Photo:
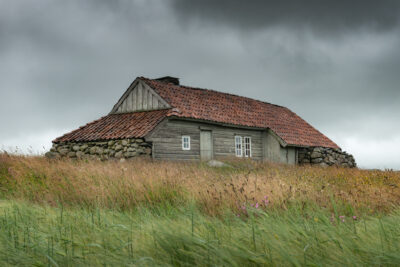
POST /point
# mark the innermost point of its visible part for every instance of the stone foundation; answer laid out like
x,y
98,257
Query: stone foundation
x,y
325,157
103,150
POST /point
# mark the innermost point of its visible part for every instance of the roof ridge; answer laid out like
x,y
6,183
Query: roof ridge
x,y
212,90
287,124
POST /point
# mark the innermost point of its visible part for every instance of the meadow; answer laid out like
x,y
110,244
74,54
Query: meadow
x,y
145,213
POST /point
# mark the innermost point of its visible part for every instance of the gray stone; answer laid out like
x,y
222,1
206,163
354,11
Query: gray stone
x,y
111,143
216,163
318,149
52,155
63,151
79,154
93,150
317,160
72,154
315,154
119,154
83,147
124,143
328,156
76,148
130,154
118,147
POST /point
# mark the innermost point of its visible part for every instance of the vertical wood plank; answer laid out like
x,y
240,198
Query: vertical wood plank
x,y
150,101
155,103
124,106
135,96
134,99
129,102
145,94
140,97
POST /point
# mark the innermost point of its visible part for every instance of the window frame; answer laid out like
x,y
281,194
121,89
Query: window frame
x,y
245,150
238,143
183,142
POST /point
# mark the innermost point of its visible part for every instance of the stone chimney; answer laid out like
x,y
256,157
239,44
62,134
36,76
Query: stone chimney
x,y
169,79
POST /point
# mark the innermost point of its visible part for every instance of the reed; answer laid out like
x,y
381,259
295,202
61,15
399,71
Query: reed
x,y
146,213
141,182
50,236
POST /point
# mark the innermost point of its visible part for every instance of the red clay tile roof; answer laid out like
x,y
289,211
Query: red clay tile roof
x,y
220,107
203,104
116,126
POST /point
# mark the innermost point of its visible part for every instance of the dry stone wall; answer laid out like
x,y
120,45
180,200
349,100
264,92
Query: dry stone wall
x,y
325,157
103,150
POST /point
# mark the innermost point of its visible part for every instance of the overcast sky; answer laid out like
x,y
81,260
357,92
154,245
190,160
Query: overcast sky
x,y
335,63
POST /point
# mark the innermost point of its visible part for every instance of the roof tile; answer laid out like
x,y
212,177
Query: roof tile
x,y
221,107
203,104
116,126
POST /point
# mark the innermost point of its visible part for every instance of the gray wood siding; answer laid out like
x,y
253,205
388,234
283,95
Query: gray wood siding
x,y
167,140
140,97
272,147
275,152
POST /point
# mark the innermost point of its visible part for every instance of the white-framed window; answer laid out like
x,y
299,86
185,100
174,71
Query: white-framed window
x,y
238,146
247,146
185,142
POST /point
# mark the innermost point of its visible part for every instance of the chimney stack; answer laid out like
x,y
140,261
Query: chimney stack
x,y
169,79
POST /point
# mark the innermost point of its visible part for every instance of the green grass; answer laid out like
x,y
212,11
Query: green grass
x,y
41,235
153,213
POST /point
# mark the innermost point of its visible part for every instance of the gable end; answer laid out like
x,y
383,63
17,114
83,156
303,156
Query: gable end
x,y
139,97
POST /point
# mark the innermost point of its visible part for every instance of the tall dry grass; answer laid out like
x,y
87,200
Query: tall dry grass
x,y
143,182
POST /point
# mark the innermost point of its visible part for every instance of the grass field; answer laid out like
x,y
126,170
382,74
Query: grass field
x,y
143,213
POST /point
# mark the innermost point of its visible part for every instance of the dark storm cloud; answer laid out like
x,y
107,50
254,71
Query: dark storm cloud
x,y
320,15
335,63
341,53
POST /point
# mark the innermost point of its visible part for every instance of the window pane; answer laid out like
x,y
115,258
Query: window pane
x,y
186,142
247,147
238,146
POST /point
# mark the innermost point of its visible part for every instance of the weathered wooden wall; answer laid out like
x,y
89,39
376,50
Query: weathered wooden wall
x,y
167,140
140,97
275,152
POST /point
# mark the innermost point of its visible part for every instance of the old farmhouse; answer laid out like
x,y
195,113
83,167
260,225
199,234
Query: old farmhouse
x,y
165,120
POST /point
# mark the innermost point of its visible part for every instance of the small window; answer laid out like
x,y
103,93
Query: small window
x,y
185,142
238,146
247,146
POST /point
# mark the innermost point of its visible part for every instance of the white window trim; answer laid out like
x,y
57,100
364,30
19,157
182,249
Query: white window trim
x,y
236,146
244,142
183,142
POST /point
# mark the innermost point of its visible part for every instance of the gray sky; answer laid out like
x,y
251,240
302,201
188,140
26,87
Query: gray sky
x,y
335,63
